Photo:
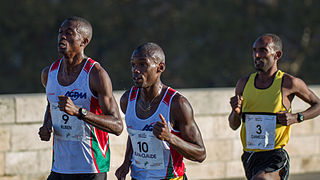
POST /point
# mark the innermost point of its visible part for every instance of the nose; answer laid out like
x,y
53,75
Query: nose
x,y
62,36
134,69
255,54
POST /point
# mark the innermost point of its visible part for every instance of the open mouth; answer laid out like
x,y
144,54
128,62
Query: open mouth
x,y
62,45
136,79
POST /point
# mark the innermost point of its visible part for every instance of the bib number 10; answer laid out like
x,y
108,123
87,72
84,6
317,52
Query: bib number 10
x,y
143,146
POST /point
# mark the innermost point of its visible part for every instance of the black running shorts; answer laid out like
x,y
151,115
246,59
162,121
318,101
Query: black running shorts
x,y
90,176
268,161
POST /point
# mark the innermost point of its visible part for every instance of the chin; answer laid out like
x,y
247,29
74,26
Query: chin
x,y
259,69
138,85
62,51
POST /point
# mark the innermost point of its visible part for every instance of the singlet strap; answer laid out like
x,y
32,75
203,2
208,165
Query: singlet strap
x,y
55,65
133,94
90,62
169,94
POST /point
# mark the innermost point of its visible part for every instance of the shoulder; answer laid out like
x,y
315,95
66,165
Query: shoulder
x,y
44,76
97,72
125,96
180,104
99,79
241,84
290,81
124,100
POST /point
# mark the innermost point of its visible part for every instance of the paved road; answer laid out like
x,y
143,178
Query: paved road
x,y
307,176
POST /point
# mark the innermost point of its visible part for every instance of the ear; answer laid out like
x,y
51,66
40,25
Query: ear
x,y
278,54
84,42
161,67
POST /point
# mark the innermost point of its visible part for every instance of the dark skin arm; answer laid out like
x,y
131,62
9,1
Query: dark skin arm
x,y
236,104
123,170
100,84
293,86
190,144
46,129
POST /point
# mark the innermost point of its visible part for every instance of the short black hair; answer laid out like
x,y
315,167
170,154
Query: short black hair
x,y
150,50
275,39
85,28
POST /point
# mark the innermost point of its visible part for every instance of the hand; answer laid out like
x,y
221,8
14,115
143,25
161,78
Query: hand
x,y
236,103
122,171
286,118
44,133
66,104
161,129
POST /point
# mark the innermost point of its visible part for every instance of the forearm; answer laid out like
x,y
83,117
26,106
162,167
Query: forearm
x,y
129,151
47,122
188,150
109,123
312,111
234,120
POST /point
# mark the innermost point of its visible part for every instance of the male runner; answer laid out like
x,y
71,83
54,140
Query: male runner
x,y
81,108
160,122
262,106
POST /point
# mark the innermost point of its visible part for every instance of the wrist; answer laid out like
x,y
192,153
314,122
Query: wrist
x,y
236,114
300,117
170,138
82,113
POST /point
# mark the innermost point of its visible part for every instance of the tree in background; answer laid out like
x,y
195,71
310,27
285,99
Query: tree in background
x,y
208,43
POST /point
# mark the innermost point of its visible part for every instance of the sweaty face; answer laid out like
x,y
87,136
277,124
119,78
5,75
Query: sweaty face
x,y
144,71
263,54
69,39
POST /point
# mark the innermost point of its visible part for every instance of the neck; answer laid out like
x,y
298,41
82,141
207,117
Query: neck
x,y
266,77
150,93
72,63
268,74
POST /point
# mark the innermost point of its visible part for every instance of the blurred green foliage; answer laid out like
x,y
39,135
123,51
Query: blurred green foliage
x,y
207,42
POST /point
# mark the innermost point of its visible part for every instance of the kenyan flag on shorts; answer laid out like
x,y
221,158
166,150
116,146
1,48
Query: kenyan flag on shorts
x,y
100,149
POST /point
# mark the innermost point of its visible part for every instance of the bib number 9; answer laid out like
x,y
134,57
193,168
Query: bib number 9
x,y
65,118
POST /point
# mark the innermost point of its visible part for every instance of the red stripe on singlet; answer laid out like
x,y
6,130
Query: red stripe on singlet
x,y
55,65
133,94
88,65
166,99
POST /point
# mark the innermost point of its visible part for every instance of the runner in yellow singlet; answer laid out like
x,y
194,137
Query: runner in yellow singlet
x,y
262,107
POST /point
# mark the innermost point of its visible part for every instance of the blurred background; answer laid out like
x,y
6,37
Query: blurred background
x,y
207,42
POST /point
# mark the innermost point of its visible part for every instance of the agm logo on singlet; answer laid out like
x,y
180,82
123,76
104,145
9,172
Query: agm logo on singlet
x,y
74,94
148,127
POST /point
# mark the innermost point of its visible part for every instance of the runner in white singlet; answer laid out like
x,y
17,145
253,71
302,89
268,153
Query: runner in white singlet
x,y
81,108
160,122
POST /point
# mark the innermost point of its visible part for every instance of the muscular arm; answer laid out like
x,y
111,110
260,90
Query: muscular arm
x,y
46,129
123,170
295,86
123,106
110,120
236,104
190,144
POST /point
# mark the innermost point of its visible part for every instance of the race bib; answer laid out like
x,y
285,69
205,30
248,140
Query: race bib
x,y
66,127
147,149
260,131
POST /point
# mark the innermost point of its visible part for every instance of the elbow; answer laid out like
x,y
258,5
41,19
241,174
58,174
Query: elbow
x,y
119,128
202,156
234,127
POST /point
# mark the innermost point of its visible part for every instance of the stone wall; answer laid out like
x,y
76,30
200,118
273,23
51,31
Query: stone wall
x,y
24,157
